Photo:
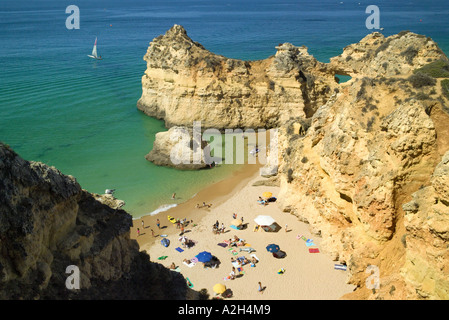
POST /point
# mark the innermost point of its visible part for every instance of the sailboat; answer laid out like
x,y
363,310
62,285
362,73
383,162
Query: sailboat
x,y
94,52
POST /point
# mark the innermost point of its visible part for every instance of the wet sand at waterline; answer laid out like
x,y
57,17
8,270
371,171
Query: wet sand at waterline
x,y
306,275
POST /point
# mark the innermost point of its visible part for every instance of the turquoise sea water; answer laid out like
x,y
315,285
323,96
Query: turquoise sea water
x,y
66,110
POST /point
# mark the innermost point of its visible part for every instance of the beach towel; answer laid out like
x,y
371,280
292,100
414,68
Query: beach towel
x,y
249,250
222,244
236,264
255,257
233,251
190,265
314,250
309,244
179,249
176,270
189,283
240,270
340,267
162,257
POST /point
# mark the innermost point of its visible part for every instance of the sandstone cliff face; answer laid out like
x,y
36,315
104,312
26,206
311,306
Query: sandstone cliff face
x,y
368,149
47,223
228,93
426,270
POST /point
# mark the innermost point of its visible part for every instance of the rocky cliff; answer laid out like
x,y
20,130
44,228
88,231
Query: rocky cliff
x,y
48,223
229,93
363,162
372,147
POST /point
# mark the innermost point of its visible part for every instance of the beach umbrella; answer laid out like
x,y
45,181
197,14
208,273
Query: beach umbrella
x,y
273,248
236,222
204,256
267,194
165,242
219,288
264,220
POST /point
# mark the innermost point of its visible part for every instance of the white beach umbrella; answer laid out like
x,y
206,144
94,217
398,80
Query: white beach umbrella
x,y
264,220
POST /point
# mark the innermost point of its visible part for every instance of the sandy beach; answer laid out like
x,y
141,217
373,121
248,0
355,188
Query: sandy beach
x,y
306,275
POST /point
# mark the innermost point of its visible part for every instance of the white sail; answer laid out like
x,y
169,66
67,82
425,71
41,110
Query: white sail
x,y
94,50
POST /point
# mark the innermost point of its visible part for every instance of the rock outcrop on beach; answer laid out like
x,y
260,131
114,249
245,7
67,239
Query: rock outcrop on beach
x,y
181,148
363,162
49,223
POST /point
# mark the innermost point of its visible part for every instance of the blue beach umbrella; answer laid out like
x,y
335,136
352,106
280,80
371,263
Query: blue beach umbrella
x,y
165,242
273,248
204,256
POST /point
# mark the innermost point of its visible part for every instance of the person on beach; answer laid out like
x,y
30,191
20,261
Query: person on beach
x,y
173,196
260,289
182,229
152,232
143,224
232,274
138,232
158,223
253,262
172,266
234,216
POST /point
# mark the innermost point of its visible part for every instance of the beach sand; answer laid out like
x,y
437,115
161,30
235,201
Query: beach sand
x,y
306,276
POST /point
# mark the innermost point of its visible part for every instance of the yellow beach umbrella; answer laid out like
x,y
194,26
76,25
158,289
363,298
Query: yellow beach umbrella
x,y
219,288
267,194
236,222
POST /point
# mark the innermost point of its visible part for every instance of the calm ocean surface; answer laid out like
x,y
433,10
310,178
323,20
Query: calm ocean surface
x,y
66,110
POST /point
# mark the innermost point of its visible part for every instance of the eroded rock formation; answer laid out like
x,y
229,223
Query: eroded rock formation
x,y
47,223
228,93
368,150
362,161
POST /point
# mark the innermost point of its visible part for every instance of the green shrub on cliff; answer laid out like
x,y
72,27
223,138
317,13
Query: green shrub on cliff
x,y
445,87
436,69
419,80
